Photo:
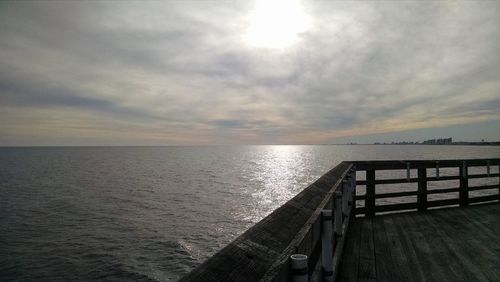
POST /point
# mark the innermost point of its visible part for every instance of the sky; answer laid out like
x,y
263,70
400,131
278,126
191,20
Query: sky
x,y
245,72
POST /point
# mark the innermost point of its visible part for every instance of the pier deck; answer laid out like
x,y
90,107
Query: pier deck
x,y
450,244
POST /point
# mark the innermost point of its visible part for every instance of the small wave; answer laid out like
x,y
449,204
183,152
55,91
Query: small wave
x,y
118,272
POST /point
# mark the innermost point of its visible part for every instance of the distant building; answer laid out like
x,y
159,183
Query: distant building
x,y
441,141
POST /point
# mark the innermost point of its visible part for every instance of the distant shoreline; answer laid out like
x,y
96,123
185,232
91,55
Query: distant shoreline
x,y
452,144
232,145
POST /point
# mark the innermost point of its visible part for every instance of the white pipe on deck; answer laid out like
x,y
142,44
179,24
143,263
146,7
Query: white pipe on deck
x,y
299,268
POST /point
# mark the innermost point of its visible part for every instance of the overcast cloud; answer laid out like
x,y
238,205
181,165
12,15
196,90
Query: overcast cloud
x,y
182,73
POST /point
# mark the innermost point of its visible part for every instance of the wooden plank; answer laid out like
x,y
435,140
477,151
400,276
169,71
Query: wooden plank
x,y
395,181
383,259
360,211
443,178
429,255
401,164
350,261
483,187
415,268
447,247
396,194
396,207
422,189
447,202
483,199
370,193
431,178
474,249
452,225
390,195
360,197
482,242
399,266
484,175
485,220
367,269
339,249
445,190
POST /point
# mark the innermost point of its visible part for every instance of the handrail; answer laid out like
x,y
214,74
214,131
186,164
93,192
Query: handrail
x,y
308,239
263,252
370,167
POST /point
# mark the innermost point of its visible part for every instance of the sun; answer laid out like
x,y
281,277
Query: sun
x,y
276,24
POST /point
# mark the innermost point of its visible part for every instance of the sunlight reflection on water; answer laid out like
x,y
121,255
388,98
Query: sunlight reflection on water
x,y
278,169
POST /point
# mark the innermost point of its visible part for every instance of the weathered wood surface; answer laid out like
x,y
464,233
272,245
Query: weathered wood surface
x,y
414,164
372,193
413,180
463,193
266,246
452,244
422,189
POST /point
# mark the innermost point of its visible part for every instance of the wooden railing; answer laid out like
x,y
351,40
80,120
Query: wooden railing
x,y
422,167
314,224
322,238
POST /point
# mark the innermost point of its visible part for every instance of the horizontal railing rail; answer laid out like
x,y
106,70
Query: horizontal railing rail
x,y
370,208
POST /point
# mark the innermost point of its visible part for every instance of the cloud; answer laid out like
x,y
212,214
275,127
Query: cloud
x,y
181,72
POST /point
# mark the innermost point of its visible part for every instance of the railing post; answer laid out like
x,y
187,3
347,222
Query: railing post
x,y
327,246
499,183
408,172
370,193
346,190
422,189
353,192
464,185
298,263
337,230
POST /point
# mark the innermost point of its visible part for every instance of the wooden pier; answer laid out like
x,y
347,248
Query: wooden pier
x,y
340,223
452,244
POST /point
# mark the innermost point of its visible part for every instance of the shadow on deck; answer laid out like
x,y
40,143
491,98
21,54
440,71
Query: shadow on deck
x,y
451,244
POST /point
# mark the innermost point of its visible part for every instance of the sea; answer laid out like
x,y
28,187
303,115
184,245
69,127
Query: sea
x,y
155,213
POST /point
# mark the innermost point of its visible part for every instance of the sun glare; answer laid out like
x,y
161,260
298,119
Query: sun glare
x,y
276,24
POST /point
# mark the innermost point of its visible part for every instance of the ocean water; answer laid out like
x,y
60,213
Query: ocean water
x,y
154,213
